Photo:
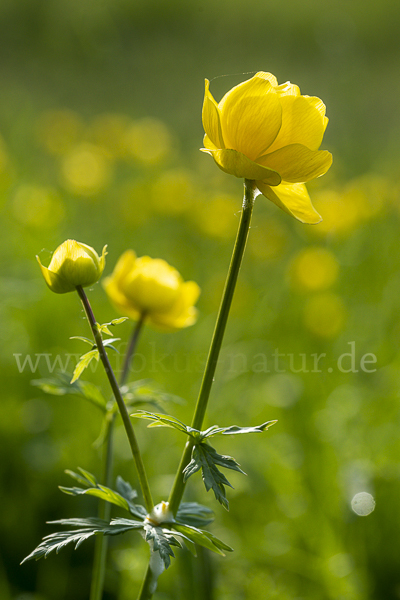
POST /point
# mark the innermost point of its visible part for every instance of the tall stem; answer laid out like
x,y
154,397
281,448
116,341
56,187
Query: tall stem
x,y
131,349
101,542
216,342
120,402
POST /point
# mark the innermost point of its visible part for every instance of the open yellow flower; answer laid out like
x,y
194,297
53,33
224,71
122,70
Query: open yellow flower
x,y
269,133
73,264
151,287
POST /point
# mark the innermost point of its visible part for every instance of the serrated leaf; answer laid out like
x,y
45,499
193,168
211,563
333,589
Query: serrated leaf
x,y
192,513
61,386
89,476
160,420
233,430
203,538
101,492
84,362
88,527
125,489
160,541
206,458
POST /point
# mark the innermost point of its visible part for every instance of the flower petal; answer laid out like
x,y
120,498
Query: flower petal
x,y
211,118
238,164
293,199
251,116
55,282
296,163
183,313
303,122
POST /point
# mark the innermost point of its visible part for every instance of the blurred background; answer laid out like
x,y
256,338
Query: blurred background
x,y
100,126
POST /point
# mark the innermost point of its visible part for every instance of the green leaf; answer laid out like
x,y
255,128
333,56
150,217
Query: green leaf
x,y
206,458
61,386
83,363
203,538
101,492
234,429
123,497
118,321
161,540
145,391
127,492
84,339
160,420
88,527
192,513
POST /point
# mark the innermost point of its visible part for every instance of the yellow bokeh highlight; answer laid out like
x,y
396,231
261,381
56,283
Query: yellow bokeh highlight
x,y
218,217
313,269
59,130
109,131
268,239
148,141
343,211
325,315
173,191
37,206
86,170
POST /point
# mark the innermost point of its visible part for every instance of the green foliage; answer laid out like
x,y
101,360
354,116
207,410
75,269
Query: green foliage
x,y
60,385
88,527
206,458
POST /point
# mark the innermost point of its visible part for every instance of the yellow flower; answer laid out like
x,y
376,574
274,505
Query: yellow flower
x,y
73,264
269,133
151,287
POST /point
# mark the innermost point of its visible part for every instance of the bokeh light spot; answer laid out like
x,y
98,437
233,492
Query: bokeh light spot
x,y
37,206
325,315
86,170
148,141
363,504
314,269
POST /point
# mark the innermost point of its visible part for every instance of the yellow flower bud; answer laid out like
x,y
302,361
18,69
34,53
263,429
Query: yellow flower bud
x,y
151,287
73,264
269,133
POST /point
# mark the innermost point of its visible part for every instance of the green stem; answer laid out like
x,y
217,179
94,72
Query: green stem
x,y
216,342
131,349
148,586
120,402
101,542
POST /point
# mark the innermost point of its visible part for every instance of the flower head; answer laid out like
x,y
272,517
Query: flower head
x,y
269,133
73,264
151,287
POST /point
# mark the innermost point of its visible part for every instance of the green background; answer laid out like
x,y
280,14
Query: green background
x,y
100,124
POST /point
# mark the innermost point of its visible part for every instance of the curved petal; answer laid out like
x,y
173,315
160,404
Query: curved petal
x,y
288,89
211,118
296,163
124,266
251,116
293,199
237,164
208,145
54,281
303,122
183,313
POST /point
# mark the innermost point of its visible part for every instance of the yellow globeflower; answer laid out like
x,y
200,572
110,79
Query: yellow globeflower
x,y
151,287
269,133
73,264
